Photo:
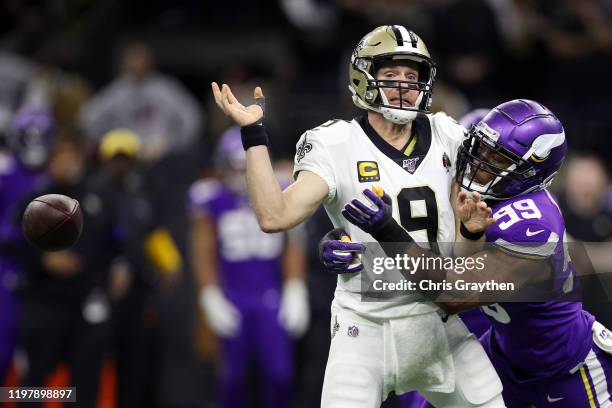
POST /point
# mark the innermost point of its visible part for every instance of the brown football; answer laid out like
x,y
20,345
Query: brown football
x,y
52,222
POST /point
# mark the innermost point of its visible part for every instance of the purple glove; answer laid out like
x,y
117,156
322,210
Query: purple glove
x,y
366,218
338,256
378,222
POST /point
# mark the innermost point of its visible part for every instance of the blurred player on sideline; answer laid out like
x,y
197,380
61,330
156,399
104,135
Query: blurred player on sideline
x,y
252,285
378,347
30,139
148,258
65,311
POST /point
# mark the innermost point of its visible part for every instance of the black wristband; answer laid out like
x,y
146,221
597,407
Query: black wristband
x,y
253,135
474,236
391,231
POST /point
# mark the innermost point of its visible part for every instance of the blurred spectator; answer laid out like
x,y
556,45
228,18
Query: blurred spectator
x,y
587,209
468,48
511,19
24,83
147,249
156,107
65,313
411,13
15,73
449,100
240,270
31,137
586,200
573,29
310,15
572,39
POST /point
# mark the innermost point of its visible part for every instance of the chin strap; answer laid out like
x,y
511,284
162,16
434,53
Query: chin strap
x,y
397,115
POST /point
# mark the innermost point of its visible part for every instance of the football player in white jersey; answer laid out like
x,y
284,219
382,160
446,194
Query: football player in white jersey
x,y
378,346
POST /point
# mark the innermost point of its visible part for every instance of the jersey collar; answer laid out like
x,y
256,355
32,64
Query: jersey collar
x,y
420,127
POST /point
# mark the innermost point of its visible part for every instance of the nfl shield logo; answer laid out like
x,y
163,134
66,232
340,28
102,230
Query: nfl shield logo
x,y
336,327
353,331
410,164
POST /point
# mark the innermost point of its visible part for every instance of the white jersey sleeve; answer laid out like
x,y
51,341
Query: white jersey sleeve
x,y
312,155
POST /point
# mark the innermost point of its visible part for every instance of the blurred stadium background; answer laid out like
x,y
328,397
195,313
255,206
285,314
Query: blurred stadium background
x,y
146,66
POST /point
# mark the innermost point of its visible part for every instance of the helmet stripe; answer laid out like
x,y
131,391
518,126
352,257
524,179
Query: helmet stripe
x,y
408,34
398,36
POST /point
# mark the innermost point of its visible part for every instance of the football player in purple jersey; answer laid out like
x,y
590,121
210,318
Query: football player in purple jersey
x,y
252,290
548,352
30,139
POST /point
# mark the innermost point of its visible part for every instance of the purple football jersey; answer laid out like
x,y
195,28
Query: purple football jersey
x,y
16,183
249,259
539,339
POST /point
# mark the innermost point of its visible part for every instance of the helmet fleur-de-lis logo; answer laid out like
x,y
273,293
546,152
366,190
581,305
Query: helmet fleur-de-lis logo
x,y
302,149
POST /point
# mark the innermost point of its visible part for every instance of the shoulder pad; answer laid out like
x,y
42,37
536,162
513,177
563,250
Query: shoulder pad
x,y
445,126
7,163
332,130
203,191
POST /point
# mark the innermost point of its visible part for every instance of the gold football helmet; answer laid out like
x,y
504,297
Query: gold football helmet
x,y
392,42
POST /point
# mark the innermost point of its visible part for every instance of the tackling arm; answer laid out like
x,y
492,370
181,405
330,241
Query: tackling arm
x,y
493,262
498,265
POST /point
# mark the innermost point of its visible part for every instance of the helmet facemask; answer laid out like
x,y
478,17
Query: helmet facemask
x,y
374,97
480,157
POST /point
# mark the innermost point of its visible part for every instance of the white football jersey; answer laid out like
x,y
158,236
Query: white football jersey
x,y
351,157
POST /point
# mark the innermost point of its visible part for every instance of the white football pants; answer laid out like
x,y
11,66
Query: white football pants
x,y
361,370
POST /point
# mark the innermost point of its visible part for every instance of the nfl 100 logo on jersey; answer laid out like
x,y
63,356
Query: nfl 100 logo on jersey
x,y
410,165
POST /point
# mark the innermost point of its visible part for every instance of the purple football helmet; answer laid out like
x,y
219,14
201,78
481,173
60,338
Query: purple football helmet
x,y
32,136
230,153
516,148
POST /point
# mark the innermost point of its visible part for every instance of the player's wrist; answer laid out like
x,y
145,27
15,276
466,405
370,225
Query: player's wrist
x,y
295,287
390,231
254,135
467,234
210,295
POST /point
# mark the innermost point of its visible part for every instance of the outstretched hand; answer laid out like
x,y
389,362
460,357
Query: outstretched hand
x,y
241,115
474,213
